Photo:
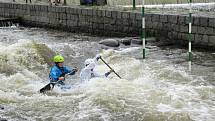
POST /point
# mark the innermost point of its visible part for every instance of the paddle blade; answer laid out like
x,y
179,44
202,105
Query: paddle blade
x,y
48,87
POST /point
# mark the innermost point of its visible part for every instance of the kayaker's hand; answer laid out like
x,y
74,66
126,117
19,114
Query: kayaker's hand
x,y
61,78
108,73
76,69
98,57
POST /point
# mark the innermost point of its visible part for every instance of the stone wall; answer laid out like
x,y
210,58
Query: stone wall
x,y
104,22
175,28
114,23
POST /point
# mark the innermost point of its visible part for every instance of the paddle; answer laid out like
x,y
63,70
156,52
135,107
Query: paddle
x,y
48,87
51,85
110,67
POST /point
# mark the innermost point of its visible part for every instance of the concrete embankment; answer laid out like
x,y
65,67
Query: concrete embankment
x,y
8,21
115,23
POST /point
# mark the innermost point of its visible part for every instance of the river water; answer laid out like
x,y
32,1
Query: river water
x,y
159,88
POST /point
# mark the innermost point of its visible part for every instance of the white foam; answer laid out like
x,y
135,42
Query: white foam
x,y
164,108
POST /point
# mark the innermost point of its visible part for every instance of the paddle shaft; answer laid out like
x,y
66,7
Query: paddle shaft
x,y
110,67
48,86
59,80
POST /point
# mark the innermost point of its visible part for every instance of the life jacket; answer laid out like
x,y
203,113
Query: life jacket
x,y
62,71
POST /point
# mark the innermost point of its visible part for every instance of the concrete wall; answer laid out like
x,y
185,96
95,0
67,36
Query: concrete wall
x,y
114,23
175,27
75,19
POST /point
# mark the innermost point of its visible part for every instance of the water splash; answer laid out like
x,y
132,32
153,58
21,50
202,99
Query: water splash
x,y
159,88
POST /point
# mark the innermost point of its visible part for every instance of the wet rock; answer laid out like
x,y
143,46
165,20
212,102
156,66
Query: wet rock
x,y
1,107
137,41
163,42
151,39
126,41
110,42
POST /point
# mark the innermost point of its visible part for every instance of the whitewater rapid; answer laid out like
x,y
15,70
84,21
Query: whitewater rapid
x,y
159,88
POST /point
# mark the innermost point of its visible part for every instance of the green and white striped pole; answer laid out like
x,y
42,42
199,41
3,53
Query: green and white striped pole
x,y
134,4
143,30
190,26
65,2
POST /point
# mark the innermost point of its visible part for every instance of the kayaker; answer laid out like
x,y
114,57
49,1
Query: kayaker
x,y
58,71
89,71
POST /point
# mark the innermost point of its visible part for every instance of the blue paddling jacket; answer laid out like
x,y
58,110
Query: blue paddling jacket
x,y
57,72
